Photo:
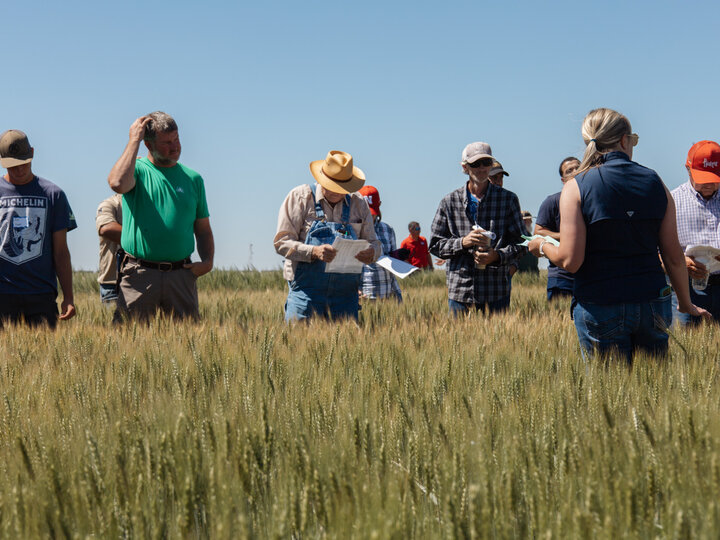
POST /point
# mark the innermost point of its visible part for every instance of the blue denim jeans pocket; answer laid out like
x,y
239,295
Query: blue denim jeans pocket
x,y
662,309
603,321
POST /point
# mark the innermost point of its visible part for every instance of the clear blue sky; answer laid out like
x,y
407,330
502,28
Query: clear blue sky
x,y
261,89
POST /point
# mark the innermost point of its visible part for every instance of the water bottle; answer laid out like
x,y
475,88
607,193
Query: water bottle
x,y
488,234
700,284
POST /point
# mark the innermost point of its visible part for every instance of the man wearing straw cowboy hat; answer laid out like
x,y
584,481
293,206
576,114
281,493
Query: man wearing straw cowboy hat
x,y
310,219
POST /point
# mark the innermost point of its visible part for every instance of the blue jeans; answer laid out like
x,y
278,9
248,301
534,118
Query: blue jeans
x,y
557,292
624,328
496,306
708,299
333,296
108,293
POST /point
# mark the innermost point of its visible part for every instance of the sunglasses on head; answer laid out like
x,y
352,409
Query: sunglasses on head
x,y
483,162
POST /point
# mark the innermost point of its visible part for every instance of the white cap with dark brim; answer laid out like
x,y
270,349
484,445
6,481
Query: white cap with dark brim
x,y
476,150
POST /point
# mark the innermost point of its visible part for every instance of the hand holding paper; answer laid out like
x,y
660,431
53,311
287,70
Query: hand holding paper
x,y
706,256
345,261
527,239
366,256
324,252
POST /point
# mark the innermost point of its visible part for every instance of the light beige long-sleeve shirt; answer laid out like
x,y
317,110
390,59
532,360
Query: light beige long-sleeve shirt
x,y
297,214
109,211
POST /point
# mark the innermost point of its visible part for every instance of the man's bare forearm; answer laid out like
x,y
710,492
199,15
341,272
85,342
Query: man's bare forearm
x,y
122,176
63,266
111,231
64,274
543,231
206,246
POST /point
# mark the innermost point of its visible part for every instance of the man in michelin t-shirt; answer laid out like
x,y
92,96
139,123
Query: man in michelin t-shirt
x,y
35,217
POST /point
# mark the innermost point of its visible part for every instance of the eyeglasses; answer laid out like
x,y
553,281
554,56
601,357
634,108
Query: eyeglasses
x,y
633,138
484,162
416,228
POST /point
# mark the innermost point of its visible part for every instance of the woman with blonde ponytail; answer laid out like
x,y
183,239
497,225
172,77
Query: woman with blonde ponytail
x,y
614,217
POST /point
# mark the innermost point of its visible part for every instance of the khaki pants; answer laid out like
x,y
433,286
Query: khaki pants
x,y
143,291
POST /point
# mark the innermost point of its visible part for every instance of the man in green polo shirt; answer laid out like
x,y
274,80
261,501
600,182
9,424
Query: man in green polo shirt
x,y
164,212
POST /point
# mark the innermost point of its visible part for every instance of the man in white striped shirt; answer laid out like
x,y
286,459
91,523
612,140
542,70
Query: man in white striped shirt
x,y
697,208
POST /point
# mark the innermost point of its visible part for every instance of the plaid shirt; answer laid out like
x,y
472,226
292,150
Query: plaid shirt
x,y
378,282
499,212
698,220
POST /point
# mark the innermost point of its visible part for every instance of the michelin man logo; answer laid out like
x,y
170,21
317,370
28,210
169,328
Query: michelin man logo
x,y
22,228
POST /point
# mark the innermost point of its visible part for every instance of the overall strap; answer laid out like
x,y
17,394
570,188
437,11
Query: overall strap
x,y
318,208
346,210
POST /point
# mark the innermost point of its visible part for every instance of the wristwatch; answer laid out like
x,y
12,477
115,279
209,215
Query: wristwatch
x,y
540,249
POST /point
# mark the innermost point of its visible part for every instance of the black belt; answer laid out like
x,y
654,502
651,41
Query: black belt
x,y
162,266
714,279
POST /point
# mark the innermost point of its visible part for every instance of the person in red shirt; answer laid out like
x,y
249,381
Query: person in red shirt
x,y
418,248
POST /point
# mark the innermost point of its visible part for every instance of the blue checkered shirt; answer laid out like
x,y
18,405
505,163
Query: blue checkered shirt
x,y
376,281
698,220
499,212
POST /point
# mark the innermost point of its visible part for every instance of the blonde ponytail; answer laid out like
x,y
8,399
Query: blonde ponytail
x,y
602,131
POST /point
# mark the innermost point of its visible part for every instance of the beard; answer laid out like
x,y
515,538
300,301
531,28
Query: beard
x,y
161,160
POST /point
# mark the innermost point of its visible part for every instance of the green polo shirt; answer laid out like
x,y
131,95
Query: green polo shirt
x,y
159,213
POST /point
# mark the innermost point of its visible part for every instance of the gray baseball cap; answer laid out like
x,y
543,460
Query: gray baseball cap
x,y
475,151
15,149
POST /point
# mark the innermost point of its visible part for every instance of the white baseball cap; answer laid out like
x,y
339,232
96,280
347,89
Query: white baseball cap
x,y
475,151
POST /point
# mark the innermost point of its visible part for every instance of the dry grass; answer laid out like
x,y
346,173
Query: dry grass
x,y
410,425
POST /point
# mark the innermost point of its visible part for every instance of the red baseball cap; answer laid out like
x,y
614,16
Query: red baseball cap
x,y
372,196
704,162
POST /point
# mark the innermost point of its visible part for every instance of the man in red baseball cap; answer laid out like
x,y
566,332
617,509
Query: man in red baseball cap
x,y
697,207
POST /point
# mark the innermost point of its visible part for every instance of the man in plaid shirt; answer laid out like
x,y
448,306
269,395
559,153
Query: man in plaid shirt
x,y
378,282
697,209
477,228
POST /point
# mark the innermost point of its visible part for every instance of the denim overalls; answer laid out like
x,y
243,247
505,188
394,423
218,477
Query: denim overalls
x,y
314,291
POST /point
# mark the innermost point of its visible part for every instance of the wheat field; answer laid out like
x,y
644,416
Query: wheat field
x,y
409,425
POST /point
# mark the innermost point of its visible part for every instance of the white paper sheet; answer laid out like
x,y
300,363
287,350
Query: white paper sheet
x,y
395,266
550,239
345,261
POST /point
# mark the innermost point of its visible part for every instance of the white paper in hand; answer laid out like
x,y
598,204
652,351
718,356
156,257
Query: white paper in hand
x,y
549,239
345,261
705,255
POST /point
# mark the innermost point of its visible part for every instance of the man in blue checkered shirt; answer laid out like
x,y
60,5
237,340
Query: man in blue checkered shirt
x,y
697,209
477,228
376,281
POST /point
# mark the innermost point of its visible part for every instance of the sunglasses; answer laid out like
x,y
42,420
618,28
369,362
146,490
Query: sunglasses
x,y
484,162
634,138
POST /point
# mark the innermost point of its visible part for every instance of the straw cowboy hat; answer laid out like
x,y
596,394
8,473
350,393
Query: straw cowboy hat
x,y
336,173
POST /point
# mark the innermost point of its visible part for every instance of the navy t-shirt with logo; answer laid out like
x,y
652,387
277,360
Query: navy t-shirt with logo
x,y
29,215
